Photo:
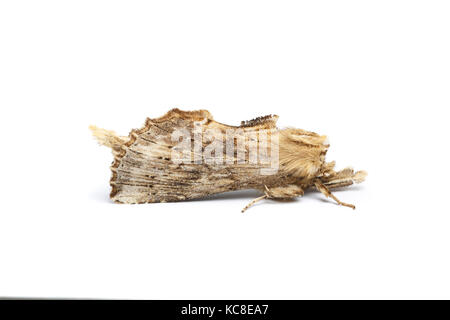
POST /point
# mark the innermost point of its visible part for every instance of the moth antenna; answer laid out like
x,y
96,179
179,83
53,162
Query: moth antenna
x,y
322,188
360,176
253,202
343,178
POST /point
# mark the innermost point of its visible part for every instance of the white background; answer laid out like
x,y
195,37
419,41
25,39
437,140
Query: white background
x,y
372,75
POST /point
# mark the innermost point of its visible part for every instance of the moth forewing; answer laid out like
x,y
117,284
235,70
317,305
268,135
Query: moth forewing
x,y
182,148
213,152
235,146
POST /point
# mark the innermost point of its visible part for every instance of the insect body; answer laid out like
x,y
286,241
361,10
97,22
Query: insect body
x,y
187,155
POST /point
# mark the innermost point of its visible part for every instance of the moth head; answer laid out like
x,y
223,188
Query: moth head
x,y
302,153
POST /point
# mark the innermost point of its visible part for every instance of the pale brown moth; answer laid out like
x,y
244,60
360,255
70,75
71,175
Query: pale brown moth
x,y
187,155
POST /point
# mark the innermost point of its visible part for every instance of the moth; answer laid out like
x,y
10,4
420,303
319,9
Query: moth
x,y
187,155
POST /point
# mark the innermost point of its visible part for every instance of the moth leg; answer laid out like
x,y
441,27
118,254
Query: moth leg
x,y
253,202
284,192
322,188
278,193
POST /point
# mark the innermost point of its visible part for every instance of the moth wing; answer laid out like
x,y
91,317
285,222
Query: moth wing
x,y
152,167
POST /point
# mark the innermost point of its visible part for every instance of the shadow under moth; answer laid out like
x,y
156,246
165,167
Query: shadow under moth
x,y
187,155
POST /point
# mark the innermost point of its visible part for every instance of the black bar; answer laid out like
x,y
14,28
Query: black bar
x,y
219,309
